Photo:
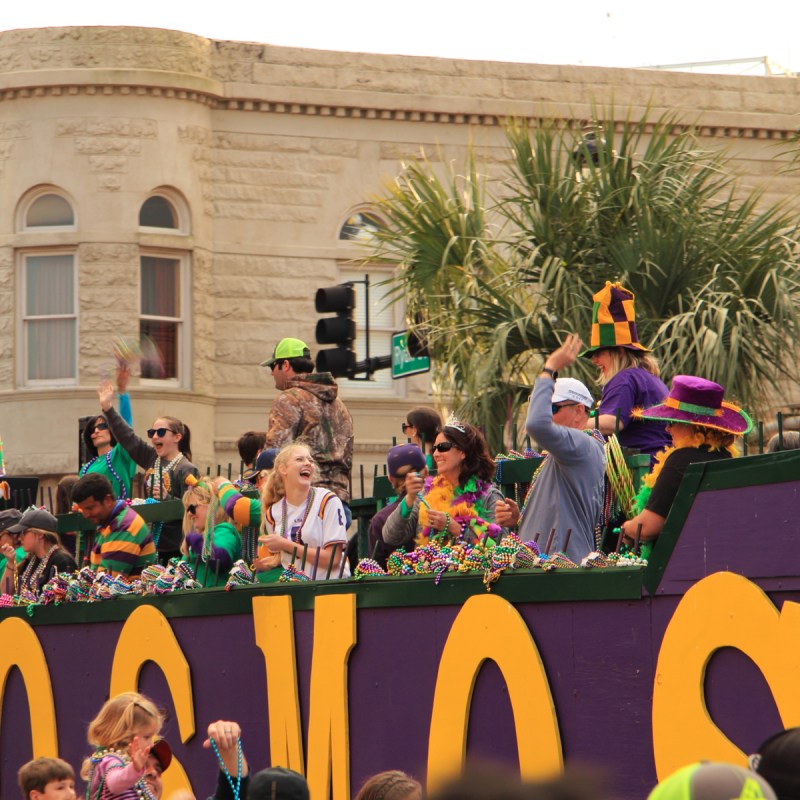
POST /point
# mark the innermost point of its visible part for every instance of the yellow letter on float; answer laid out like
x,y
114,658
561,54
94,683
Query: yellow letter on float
x,y
274,624
147,636
722,610
489,627
20,647
328,717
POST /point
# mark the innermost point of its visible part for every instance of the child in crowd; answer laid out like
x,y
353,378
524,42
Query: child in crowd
x,y
211,544
122,735
47,779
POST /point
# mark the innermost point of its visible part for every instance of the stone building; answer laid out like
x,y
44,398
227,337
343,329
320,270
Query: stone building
x,y
200,191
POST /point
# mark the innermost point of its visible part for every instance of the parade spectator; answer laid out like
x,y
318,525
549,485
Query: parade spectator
x,y
166,460
390,785
421,426
45,556
70,539
263,465
703,427
273,783
628,373
401,459
211,544
122,735
712,780
778,762
309,409
106,456
123,545
459,503
249,445
566,494
158,760
9,547
788,440
293,511
47,779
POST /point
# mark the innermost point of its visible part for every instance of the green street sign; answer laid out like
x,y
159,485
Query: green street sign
x,y
403,363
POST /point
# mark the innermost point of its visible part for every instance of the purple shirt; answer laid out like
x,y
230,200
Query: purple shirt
x,y
636,388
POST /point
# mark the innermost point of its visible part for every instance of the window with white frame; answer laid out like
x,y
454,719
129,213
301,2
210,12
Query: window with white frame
x,y
49,317
384,320
164,304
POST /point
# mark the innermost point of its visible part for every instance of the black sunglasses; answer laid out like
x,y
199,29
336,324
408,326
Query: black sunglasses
x,y
191,509
160,432
556,408
442,447
101,426
405,426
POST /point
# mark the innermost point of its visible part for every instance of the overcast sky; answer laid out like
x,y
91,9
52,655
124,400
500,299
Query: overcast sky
x,y
619,33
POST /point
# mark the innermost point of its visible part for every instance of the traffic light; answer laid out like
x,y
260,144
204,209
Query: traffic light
x,y
340,330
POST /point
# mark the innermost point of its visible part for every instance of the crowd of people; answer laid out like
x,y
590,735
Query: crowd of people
x,y
128,756
443,475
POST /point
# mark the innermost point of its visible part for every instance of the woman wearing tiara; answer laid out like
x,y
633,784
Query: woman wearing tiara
x,y
458,503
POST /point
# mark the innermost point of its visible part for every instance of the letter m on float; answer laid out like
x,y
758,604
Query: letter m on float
x,y
328,724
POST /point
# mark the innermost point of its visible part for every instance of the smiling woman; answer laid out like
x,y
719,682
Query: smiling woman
x,y
106,456
297,517
166,460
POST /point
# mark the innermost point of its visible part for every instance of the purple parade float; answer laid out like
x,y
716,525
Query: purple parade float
x,y
636,669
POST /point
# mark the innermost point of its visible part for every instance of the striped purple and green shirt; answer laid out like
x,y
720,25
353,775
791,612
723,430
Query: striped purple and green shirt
x,y
242,510
123,545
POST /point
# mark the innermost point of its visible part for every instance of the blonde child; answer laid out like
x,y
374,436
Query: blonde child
x,y
122,735
47,779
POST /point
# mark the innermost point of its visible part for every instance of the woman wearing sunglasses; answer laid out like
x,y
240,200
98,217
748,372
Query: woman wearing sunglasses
x,y
458,503
166,459
421,426
211,544
106,456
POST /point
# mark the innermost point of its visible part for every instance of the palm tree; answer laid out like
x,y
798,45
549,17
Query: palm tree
x,y
495,271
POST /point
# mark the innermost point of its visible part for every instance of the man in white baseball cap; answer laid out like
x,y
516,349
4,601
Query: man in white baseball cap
x,y
567,496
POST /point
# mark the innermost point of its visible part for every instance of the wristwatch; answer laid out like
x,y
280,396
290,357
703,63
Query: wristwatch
x,y
551,372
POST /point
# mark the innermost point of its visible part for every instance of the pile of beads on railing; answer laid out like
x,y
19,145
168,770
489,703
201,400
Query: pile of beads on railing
x,y
88,586
511,553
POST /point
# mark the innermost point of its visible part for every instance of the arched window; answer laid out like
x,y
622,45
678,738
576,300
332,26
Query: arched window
x,y
158,212
361,227
164,280
48,290
45,207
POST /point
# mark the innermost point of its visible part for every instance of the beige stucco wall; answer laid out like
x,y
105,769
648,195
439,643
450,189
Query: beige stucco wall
x,y
271,148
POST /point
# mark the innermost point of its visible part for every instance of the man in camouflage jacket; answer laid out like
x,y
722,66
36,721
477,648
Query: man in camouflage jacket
x,y
309,408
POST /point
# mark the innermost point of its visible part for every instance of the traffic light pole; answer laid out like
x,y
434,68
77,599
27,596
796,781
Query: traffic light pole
x,y
368,365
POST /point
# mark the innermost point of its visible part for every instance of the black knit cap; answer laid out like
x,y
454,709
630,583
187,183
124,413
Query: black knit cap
x,y
778,762
278,783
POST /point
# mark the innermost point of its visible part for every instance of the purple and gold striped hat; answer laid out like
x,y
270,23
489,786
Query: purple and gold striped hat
x,y
613,320
697,401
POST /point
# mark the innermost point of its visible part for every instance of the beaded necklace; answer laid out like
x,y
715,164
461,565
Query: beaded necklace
x,y
234,789
298,535
158,477
85,468
31,582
